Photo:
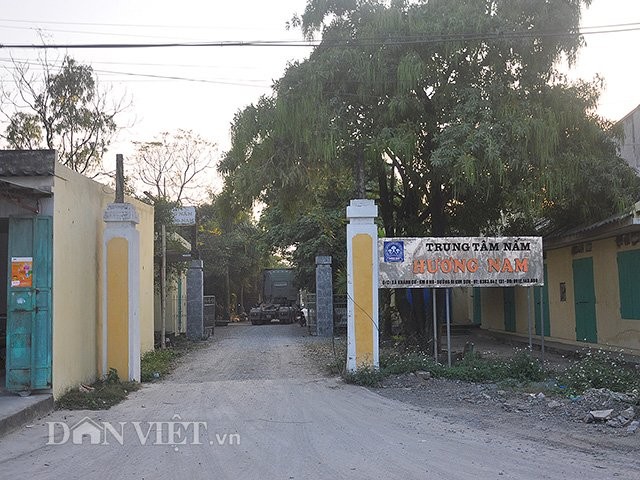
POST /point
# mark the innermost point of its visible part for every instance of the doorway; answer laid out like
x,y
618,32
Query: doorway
x,y
585,298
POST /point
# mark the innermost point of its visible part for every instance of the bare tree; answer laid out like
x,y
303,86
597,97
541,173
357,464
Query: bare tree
x,y
173,164
59,106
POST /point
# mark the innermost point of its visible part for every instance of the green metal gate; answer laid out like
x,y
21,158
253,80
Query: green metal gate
x,y
477,306
29,331
509,294
585,298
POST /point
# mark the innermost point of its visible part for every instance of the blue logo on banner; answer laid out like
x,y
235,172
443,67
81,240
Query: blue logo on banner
x,y
393,252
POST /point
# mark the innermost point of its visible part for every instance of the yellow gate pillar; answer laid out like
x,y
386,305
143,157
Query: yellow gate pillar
x,y
121,292
362,285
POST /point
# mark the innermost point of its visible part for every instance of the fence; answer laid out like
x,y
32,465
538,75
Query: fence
x,y
339,312
209,314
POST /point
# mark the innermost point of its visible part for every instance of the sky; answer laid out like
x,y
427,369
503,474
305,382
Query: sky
x,y
211,84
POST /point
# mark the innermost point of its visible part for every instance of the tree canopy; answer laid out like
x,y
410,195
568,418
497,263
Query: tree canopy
x,y
61,109
173,164
452,114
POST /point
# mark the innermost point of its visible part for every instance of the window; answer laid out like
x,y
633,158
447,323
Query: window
x,y
629,277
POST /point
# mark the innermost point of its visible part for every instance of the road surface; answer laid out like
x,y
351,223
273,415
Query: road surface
x,y
263,410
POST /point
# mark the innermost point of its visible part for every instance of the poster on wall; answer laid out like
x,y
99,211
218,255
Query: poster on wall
x,y
21,272
460,262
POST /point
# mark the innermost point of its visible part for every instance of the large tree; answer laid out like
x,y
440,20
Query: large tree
x,y
60,108
452,114
174,165
230,245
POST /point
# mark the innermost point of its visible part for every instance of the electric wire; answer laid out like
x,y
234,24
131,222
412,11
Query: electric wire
x,y
371,42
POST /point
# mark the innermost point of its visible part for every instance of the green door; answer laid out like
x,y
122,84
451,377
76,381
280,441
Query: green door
x,y
477,306
545,309
29,304
509,294
585,298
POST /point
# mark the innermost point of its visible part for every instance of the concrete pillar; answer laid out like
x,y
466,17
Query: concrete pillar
x,y
121,292
362,285
195,301
324,297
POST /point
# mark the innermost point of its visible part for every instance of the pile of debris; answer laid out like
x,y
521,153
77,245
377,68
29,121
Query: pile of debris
x,y
609,408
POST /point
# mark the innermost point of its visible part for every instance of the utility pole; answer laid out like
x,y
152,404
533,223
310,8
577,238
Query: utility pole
x,y
163,288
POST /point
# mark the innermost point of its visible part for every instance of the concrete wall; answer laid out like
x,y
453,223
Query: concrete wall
x,y
461,306
79,204
176,317
613,331
145,227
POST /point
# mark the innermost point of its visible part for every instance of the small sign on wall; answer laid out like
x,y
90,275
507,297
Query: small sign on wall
x,y
21,272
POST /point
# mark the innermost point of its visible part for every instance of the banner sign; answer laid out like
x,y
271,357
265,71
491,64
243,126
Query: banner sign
x,y
460,262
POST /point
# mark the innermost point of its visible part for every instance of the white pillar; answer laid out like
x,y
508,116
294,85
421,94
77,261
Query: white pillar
x,y
362,285
121,220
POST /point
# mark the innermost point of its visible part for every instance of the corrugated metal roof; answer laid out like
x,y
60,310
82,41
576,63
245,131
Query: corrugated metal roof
x,y
12,189
27,163
613,225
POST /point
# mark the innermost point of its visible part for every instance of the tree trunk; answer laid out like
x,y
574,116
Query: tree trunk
x,y
227,295
387,320
360,173
386,202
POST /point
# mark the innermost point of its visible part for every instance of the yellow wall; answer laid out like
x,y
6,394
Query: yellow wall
x,y
79,204
363,297
118,306
613,331
77,227
461,305
145,227
492,308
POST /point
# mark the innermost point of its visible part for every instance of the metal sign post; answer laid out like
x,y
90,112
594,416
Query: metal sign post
x,y
467,262
435,324
448,300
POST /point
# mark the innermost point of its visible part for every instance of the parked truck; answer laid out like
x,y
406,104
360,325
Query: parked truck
x,y
279,298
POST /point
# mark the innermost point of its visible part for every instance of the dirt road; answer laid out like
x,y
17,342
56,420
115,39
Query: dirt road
x,y
270,413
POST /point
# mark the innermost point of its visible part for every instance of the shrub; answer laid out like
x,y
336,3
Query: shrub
x,y
395,364
365,376
156,363
599,369
524,368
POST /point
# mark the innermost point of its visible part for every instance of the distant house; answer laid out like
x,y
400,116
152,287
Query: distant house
x,y
591,295
630,144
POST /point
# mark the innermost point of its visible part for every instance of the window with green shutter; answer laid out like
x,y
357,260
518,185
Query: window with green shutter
x,y
629,278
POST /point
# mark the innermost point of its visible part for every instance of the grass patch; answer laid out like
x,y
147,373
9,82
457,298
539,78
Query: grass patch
x,y
110,391
157,363
101,395
600,369
595,369
521,369
365,376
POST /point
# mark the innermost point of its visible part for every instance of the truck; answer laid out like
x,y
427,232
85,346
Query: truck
x,y
279,298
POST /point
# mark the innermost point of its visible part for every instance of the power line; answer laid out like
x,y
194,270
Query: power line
x,y
372,42
237,83
145,64
137,25
107,34
212,27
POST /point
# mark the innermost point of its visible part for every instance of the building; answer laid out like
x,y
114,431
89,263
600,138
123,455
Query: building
x,y
52,248
630,144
